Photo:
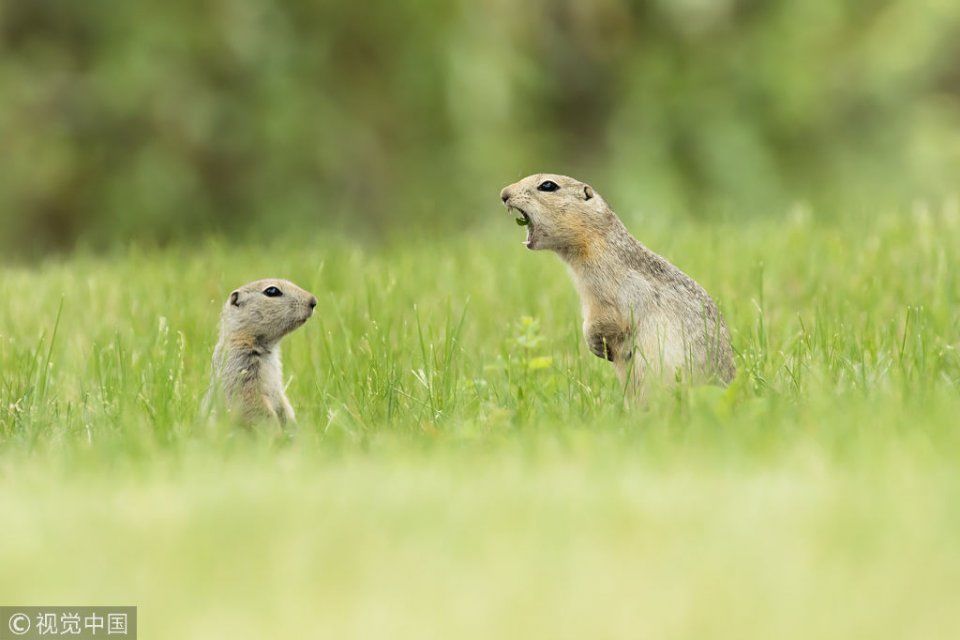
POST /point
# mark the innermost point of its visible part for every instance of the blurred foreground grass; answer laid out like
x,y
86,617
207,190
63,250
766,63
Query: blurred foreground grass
x,y
463,466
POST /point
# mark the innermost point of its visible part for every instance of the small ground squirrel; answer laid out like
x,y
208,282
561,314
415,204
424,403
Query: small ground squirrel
x,y
247,374
640,312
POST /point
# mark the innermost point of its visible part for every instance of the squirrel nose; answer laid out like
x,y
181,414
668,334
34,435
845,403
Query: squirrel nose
x,y
505,195
313,302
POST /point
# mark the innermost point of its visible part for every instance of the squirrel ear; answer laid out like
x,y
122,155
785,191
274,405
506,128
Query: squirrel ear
x,y
587,192
235,298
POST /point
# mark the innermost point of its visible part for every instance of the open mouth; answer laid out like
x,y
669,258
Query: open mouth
x,y
523,220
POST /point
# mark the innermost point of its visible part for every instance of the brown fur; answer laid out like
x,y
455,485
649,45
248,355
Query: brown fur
x,y
640,312
247,371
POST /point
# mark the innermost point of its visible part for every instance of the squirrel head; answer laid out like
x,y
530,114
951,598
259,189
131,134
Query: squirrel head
x,y
266,310
560,213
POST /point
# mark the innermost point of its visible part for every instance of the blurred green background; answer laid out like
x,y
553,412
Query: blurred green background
x,y
157,122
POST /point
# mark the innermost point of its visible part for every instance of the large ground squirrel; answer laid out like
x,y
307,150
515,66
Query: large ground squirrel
x,y
247,372
639,311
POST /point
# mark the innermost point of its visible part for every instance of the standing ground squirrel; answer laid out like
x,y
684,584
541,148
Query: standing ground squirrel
x,y
247,373
639,311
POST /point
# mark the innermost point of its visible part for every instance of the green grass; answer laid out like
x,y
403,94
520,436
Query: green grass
x,y
464,468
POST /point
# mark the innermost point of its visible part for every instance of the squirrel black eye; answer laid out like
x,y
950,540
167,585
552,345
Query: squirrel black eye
x,y
272,292
548,185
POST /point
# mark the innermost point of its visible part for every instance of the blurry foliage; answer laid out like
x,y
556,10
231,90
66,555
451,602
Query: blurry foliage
x,y
161,121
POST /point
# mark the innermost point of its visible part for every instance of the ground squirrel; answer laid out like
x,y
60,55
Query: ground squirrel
x,y
247,374
640,312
